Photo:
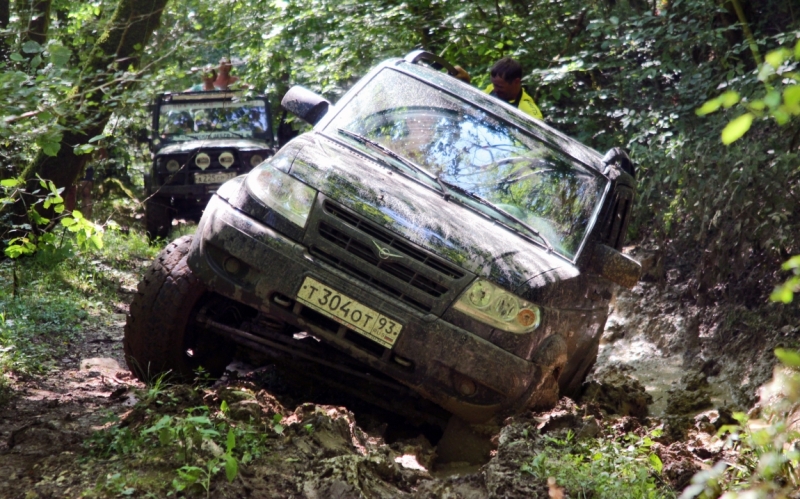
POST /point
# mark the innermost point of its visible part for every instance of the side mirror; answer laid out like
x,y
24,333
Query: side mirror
x,y
305,104
616,267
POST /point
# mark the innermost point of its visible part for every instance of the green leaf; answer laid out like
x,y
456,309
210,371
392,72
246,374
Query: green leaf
x,y
776,57
789,358
31,47
792,263
773,99
231,441
97,241
36,61
231,468
782,115
97,138
11,182
782,294
16,57
223,407
734,130
729,98
655,461
791,95
84,149
51,148
709,107
797,50
59,55
66,222
757,105
278,428
765,72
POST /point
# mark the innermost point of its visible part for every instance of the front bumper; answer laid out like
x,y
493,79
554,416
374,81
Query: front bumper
x,y
249,262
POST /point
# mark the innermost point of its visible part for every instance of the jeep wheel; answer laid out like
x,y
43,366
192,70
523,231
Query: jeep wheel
x,y
157,219
161,334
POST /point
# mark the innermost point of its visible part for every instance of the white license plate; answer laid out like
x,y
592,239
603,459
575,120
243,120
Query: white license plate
x,y
348,312
213,178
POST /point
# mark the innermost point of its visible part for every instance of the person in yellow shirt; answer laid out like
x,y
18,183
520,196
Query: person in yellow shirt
x,y
507,85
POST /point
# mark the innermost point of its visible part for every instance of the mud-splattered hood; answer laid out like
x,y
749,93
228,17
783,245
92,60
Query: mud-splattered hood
x,y
447,228
193,145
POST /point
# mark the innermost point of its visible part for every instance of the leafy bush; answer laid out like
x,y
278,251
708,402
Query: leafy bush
x,y
198,444
768,457
603,467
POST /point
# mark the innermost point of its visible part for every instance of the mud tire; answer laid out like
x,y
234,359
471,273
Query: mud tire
x,y
160,330
157,219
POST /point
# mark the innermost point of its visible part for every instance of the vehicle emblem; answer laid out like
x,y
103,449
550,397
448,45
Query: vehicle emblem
x,y
385,253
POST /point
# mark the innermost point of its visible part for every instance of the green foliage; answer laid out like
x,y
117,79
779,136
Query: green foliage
x,y
785,292
768,458
602,467
199,443
35,239
45,303
781,99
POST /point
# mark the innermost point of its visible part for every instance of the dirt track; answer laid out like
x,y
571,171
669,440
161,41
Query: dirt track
x,y
655,356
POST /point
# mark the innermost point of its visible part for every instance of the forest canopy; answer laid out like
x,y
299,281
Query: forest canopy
x,y
78,76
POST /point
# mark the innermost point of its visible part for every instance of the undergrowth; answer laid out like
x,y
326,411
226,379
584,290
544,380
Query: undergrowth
x,y
187,446
601,468
47,300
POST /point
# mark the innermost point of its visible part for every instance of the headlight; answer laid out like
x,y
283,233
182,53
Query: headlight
x,y
281,192
497,307
173,166
255,159
226,159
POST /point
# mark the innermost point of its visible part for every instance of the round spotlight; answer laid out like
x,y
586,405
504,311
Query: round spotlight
x,y
226,159
202,161
255,159
173,166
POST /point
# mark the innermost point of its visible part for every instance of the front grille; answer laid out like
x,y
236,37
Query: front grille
x,y
353,270
396,269
393,242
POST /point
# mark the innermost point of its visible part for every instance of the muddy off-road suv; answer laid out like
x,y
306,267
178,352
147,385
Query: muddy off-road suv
x,y
424,243
200,140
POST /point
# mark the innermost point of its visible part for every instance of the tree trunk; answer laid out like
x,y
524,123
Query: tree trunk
x,y
5,17
38,23
117,49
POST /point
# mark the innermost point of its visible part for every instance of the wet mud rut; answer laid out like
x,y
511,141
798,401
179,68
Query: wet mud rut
x,y
358,450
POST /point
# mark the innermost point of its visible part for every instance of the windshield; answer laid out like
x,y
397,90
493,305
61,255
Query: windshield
x,y
183,121
467,147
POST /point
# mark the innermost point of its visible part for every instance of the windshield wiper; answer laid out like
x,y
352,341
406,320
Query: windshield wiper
x,y
405,162
496,208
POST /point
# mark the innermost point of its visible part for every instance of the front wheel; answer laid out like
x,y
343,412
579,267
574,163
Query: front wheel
x,y
161,335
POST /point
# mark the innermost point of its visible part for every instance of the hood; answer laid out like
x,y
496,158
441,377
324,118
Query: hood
x,y
420,214
193,145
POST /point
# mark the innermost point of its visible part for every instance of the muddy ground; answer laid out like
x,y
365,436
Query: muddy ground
x,y
662,362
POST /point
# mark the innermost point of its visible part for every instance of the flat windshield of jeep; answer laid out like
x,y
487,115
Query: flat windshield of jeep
x,y
182,120
469,153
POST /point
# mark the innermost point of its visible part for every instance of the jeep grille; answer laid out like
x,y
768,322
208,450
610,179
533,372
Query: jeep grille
x,y
385,261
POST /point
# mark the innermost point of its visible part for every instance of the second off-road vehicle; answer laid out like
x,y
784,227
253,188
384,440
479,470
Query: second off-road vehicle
x,y
199,140
425,240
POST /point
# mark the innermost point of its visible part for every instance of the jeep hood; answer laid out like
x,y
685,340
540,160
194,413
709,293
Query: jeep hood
x,y
454,232
193,145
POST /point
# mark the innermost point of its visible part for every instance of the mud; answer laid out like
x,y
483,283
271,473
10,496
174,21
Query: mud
x,y
663,363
